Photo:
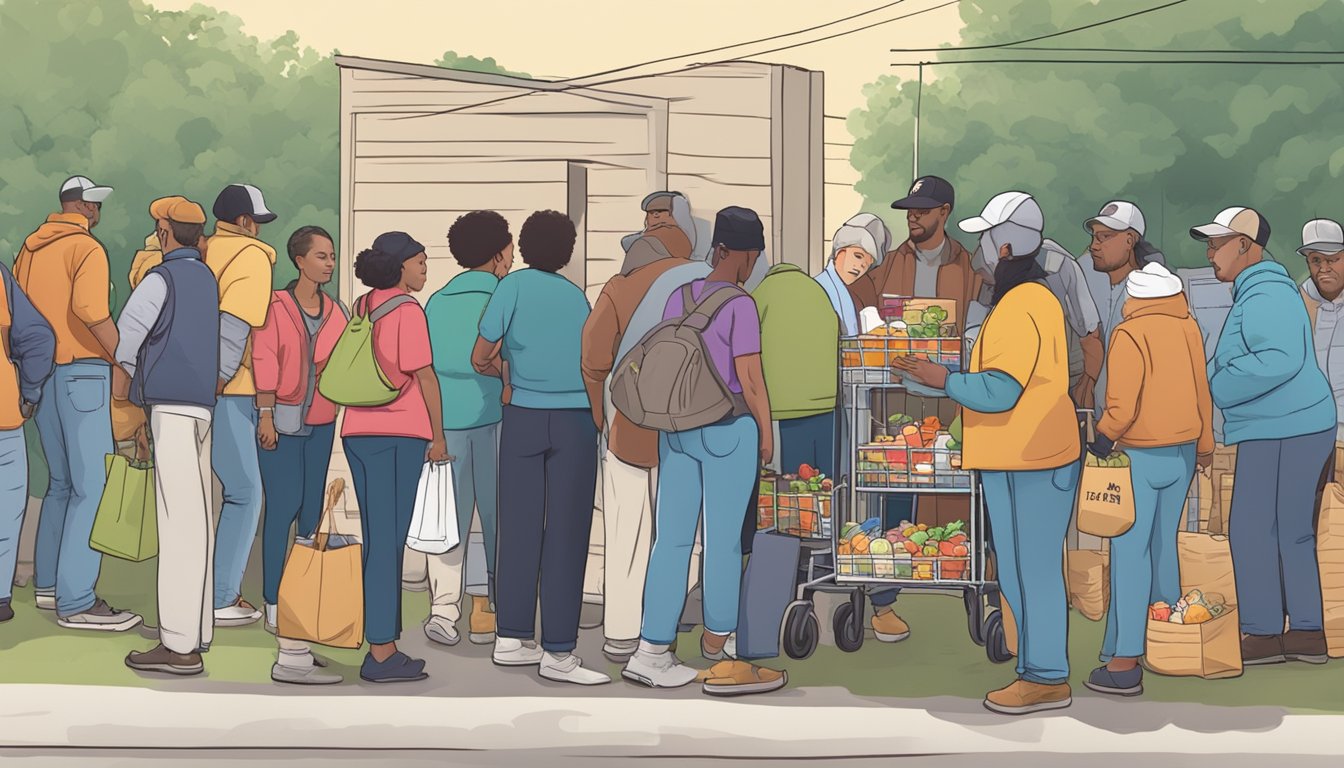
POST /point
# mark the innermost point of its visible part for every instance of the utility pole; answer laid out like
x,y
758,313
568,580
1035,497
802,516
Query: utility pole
x,y
919,103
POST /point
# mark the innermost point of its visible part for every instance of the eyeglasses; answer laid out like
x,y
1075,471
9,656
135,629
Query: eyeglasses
x,y
1217,244
1101,236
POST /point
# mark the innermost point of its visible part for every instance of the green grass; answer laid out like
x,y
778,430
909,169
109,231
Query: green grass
x,y
938,659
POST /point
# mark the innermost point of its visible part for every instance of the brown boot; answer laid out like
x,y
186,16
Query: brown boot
x,y
1301,645
888,627
1023,698
160,659
482,621
1257,650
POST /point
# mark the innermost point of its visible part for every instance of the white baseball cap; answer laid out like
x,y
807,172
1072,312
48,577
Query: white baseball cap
x,y
1322,236
1235,221
1016,207
1118,215
81,188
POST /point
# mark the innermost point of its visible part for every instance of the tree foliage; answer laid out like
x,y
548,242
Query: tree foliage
x,y
1181,141
452,60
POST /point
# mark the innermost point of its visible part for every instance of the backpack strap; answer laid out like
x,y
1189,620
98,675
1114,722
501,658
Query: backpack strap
x,y
387,307
709,305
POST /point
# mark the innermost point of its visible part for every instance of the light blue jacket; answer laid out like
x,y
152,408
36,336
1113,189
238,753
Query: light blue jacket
x,y
1264,376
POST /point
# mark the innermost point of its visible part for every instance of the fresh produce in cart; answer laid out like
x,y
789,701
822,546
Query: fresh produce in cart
x,y
1194,608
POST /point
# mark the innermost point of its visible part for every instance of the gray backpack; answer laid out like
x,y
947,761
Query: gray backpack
x,y
667,381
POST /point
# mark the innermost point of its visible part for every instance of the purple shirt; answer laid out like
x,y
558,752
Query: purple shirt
x,y
735,332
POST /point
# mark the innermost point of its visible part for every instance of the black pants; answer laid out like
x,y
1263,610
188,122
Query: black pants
x,y
547,477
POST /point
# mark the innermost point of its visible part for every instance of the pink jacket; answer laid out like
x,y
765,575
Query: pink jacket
x,y
280,353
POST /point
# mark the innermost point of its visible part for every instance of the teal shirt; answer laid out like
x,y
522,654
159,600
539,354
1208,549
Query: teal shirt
x,y
1264,375
470,400
540,316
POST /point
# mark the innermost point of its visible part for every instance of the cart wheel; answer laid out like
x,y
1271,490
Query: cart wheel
x,y
802,632
996,644
975,615
848,628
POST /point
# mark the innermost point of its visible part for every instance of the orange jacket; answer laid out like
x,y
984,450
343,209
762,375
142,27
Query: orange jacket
x,y
63,270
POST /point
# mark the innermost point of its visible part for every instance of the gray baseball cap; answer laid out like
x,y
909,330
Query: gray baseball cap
x,y
1322,236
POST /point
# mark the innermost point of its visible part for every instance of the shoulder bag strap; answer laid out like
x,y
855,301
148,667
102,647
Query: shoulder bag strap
x,y
709,306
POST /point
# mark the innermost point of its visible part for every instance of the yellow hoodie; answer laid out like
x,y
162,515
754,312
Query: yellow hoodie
x,y
148,258
243,265
63,270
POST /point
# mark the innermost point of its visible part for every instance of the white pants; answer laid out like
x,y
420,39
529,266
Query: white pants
x,y
446,573
182,483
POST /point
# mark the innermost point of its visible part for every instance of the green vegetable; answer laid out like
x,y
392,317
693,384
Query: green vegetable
x,y
954,529
953,445
767,487
935,315
937,534
919,537
955,429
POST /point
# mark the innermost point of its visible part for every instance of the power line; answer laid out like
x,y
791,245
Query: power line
x,y
1222,51
734,45
1121,62
1038,38
575,85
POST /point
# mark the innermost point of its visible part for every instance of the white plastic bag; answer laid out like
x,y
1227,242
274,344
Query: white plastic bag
x,y
434,522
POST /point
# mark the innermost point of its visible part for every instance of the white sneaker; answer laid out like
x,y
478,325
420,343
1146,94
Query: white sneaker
x,y
240,614
658,670
512,652
442,631
570,669
46,601
272,612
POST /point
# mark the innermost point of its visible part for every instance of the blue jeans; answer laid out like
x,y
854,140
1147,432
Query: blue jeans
x,y
714,468
294,476
74,423
476,485
1273,534
386,471
1144,566
235,462
13,503
1029,514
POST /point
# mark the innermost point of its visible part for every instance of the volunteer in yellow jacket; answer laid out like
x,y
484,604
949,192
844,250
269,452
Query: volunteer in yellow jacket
x,y
1162,417
243,265
1021,433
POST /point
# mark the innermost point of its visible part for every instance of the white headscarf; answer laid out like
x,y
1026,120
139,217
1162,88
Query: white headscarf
x,y
1154,281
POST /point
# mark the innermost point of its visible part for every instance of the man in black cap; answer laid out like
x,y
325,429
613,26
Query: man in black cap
x,y
711,469
243,265
929,264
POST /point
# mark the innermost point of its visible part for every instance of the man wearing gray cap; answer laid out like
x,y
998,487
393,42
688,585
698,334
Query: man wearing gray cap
x,y
1279,411
1323,292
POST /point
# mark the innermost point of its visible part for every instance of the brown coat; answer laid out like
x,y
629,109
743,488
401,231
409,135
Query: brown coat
x,y
1150,405
957,279
602,335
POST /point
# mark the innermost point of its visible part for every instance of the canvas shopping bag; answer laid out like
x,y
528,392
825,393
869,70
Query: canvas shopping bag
x,y
126,523
434,521
1089,582
322,586
1330,560
1211,650
1206,565
1105,497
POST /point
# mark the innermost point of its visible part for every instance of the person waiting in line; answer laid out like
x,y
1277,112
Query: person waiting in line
x,y
547,453
389,445
1280,413
1323,293
1162,417
297,425
1021,433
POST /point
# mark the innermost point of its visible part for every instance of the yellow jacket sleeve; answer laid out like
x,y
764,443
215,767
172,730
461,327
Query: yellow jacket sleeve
x,y
245,287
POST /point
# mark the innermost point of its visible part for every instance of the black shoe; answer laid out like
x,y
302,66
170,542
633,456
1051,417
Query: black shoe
x,y
6,612
397,668
1103,680
1304,645
1258,650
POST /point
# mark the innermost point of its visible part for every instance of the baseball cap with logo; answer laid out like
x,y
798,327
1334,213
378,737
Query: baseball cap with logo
x,y
1118,215
1016,207
81,188
1322,236
1235,221
177,208
927,192
242,200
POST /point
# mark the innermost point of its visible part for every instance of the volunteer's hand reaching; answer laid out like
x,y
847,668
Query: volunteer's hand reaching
x,y
922,371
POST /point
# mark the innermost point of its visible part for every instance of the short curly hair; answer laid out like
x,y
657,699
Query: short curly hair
x,y
377,269
476,237
547,240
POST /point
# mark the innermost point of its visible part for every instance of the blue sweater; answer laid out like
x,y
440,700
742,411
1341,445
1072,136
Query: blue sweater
x,y
1264,376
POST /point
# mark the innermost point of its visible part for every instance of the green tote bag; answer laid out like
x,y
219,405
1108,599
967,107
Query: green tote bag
x,y
126,525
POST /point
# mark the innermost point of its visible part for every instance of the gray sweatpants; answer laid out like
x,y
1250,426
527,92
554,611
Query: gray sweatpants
x,y
1273,532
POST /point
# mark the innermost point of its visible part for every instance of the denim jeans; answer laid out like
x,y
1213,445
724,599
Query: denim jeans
x,y
13,503
711,469
476,486
1273,533
294,476
1144,566
1030,512
235,462
386,471
74,423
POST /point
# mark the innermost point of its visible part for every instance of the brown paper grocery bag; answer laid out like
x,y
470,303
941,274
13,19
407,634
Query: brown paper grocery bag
x,y
322,588
1206,565
1105,501
1330,560
1211,650
1089,582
